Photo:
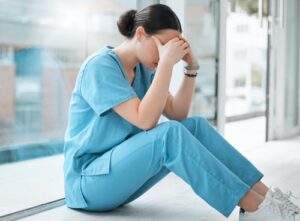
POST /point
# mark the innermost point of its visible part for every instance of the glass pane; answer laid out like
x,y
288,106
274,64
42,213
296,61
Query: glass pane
x,y
292,65
201,25
41,50
246,59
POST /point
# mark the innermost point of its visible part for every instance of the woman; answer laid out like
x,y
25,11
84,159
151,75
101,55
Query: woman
x,y
114,149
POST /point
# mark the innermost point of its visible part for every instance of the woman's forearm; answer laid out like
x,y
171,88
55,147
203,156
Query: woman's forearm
x,y
153,103
183,98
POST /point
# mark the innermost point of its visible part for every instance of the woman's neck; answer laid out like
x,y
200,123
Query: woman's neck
x,y
126,52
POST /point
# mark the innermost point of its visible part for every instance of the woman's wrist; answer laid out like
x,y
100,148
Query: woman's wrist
x,y
165,63
191,73
193,62
191,70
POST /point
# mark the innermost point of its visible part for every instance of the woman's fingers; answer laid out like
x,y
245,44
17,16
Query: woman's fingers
x,y
178,41
181,37
173,50
186,50
186,45
182,44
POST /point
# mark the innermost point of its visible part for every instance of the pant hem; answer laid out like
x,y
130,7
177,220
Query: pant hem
x,y
254,179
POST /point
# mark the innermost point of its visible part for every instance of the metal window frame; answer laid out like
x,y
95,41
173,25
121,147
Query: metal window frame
x,y
32,210
221,77
276,128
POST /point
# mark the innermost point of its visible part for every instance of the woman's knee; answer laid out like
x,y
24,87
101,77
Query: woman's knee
x,y
168,127
186,123
194,122
200,119
173,124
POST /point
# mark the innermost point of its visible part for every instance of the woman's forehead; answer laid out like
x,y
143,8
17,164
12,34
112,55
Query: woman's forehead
x,y
168,34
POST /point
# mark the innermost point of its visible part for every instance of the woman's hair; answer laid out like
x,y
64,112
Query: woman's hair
x,y
153,18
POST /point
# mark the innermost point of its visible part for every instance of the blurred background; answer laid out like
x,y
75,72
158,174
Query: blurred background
x,y
248,85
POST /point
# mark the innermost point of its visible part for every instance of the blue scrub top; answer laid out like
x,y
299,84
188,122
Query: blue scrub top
x,y
94,128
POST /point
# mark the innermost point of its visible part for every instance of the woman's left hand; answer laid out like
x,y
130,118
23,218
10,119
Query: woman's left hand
x,y
190,58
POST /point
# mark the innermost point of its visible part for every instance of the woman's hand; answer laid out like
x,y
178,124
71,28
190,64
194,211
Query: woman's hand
x,y
190,58
173,51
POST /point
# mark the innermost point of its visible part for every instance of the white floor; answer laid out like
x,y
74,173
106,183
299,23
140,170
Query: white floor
x,y
30,183
172,199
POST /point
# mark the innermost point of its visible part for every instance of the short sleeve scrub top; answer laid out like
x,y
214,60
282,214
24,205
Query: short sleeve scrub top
x,y
94,128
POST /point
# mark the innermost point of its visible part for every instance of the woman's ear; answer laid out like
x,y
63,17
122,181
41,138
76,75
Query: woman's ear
x,y
140,32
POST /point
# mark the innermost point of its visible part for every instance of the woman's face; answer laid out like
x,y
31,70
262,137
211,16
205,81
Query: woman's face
x,y
146,49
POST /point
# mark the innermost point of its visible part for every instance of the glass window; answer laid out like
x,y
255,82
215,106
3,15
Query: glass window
x,y
201,25
246,60
291,110
41,50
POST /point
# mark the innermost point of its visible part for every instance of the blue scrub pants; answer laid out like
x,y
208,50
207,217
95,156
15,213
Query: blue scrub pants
x,y
191,148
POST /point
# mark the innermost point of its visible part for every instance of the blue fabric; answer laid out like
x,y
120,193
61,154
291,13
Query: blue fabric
x,y
191,148
93,127
110,162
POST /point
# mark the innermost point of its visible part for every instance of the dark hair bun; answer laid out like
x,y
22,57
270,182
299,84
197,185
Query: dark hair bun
x,y
126,23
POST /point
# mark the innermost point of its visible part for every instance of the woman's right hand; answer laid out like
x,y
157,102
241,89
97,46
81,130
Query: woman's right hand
x,y
173,51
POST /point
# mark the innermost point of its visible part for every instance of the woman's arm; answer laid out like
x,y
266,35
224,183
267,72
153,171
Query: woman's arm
x,y
146,113
178,106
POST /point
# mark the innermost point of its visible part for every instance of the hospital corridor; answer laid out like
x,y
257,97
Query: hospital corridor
x,y
69,150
